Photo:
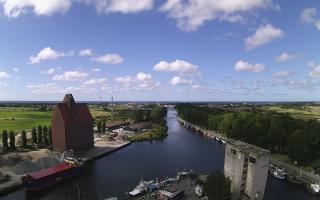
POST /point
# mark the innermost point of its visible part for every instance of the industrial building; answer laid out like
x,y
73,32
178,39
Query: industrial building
x,y
72,126
247,167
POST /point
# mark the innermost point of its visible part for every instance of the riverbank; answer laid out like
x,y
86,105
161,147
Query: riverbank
x,y
158,132
297,175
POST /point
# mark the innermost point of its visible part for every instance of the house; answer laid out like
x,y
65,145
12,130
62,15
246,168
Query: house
x,y
72,126
116,125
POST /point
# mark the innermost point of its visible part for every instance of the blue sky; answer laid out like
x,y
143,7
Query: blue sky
x,y
182,50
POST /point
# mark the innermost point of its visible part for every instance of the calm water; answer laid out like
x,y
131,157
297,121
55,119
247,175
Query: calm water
x,y
119,172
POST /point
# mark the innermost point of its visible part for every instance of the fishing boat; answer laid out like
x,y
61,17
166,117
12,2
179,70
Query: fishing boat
x,y
45,178
277,172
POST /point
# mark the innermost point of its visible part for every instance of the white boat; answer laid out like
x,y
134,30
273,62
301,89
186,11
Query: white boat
x,y
315,187
217,139
141,188
223,141
278,174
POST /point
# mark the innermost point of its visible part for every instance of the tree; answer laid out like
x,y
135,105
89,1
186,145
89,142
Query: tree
x,y
49,135
157,114
99,126
45,135
12,140
217,187
5,139
299,147
40,136
34,136
103,127
24,139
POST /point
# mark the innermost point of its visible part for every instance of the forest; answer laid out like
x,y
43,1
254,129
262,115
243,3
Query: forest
x,y
278,132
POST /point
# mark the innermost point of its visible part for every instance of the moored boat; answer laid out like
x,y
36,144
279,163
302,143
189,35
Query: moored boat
x,y
45,178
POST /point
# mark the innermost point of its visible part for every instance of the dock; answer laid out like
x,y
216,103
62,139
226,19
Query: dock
x,y
101,148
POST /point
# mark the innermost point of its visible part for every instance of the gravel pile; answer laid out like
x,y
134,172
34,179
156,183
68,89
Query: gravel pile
x,y
47,162
13,160
24,167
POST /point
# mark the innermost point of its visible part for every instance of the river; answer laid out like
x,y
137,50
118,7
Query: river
x,y
117,173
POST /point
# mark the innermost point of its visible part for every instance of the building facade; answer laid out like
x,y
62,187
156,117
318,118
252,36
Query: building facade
x,y
72,126
247,167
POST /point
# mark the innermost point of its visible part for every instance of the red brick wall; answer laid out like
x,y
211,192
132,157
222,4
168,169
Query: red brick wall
x,y
58,131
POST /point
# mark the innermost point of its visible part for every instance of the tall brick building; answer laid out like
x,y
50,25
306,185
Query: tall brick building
x,y
72,126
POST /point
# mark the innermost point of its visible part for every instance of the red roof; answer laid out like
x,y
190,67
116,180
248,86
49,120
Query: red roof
x,y
52,170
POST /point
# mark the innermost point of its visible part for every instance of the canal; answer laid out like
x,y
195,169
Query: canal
x,y
115,174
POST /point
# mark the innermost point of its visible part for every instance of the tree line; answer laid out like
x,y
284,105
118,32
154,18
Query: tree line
x,y
278,132
40,136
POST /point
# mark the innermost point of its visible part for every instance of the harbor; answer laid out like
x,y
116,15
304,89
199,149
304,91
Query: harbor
x,y
30,162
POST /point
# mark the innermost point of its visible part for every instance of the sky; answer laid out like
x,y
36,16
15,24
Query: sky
x,y
160,50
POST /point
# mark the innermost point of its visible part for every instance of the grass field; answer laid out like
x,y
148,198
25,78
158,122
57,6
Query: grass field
x,y
19,118
298,112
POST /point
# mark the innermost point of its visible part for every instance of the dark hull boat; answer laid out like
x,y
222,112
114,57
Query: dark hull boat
x,y
45,178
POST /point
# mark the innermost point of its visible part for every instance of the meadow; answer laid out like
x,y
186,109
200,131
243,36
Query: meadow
x,y
25,118
299,112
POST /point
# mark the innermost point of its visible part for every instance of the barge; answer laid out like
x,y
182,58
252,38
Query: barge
x,y
46,178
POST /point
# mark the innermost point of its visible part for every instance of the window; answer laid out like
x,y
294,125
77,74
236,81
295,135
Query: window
x,y
233,151
252,160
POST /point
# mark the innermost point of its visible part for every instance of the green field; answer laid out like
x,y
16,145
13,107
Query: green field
x,y
298,112
18,118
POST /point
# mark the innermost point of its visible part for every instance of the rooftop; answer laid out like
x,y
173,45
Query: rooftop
x,y
247,148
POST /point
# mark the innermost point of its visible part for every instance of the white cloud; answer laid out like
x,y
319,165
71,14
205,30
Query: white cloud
x,y
309,16
48,88
263,35
283,74
285,57
123,6
245,66
140,81
47,53
197,87
96,70
85,52
95,81
191,14
14,8
144,77
4,75
109,59
50,71
70,76
315,71
178,66
15,69
177,80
